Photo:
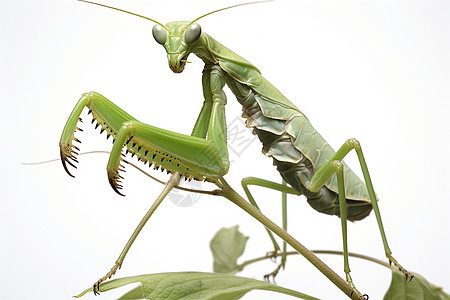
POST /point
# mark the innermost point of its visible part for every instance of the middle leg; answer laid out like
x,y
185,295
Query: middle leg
x,y
284,189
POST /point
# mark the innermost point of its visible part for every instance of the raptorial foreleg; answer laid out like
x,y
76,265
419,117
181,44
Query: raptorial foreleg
x,y
107,115
191,156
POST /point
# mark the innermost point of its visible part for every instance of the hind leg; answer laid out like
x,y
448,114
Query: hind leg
x,y
334,165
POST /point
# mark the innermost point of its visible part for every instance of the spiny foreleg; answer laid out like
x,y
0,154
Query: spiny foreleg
x,y
107,115
193,157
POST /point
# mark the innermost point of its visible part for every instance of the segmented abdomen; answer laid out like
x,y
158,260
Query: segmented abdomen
x,y
295,168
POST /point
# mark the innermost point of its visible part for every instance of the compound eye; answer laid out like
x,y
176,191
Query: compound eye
x,y
160,34
192,33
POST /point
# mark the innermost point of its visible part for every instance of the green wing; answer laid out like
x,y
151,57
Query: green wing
x,y
274,105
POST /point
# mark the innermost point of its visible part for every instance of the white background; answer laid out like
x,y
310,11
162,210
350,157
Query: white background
x,y
378,71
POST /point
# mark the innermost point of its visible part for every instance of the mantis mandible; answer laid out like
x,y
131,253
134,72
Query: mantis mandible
x,y
303,158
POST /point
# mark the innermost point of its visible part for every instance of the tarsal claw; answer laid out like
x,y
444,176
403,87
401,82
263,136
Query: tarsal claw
x,y
114,180
67,154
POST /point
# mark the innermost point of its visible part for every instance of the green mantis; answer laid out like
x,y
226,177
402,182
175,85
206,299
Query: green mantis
x,y
303,158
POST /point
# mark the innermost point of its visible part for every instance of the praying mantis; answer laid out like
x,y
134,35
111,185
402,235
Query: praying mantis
x,y
303,158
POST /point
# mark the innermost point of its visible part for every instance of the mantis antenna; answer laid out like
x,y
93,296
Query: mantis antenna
x,y
236,5
202,16
128,12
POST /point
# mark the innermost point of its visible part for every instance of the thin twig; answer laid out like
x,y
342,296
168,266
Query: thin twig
x,y
57,159
361,256
213,192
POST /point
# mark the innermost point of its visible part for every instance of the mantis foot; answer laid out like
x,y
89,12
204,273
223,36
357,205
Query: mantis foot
x,y
274,273
272,255
353,287
96,286
408,275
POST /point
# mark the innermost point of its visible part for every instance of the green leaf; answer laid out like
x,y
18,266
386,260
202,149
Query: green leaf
x,y
227,246
134,294
417,289
193,285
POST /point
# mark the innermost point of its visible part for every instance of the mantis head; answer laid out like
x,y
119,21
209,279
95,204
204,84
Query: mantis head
x,y
177,38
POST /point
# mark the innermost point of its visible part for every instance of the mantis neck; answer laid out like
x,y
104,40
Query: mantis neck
x,y
201,49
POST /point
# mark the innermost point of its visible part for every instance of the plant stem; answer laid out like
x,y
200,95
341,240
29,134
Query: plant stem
x,y
362,256
234,197
251,261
